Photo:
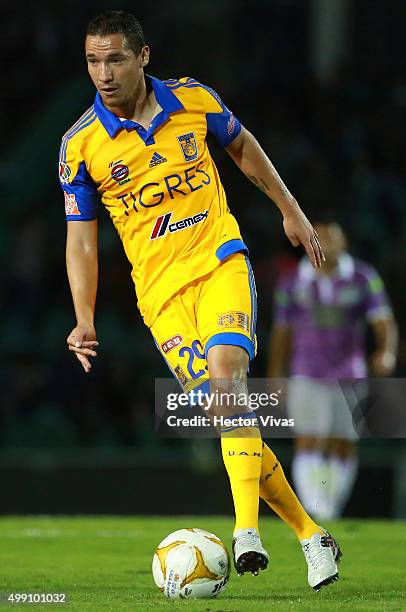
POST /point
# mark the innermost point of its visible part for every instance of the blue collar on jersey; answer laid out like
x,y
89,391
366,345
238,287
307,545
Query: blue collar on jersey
x,y
165,98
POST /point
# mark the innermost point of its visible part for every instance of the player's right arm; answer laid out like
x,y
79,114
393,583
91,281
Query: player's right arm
x,y
82,269
81,209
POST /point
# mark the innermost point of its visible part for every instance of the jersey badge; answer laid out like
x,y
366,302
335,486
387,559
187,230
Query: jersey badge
x,y
234,319
64,172
71,206
188,144
231,124
120,172
180,374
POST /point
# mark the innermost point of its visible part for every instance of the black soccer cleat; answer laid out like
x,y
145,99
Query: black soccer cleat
x,y
248,552
326,582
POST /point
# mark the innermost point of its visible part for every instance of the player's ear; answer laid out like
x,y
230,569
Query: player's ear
x,y
144,56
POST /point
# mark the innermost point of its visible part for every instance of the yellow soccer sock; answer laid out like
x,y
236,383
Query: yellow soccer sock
x,y
242,458
275,490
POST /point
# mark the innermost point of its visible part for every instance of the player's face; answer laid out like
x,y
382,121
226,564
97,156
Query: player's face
x,y
114,68
332,239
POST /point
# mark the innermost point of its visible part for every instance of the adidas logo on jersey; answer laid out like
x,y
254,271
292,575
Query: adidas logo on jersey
x,y
157,159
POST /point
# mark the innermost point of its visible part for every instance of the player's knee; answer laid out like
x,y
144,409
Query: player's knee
x,y
231,395
227,362
228,367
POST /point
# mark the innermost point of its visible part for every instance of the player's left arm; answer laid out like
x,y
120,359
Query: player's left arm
x,y
378,313
256,165
383,359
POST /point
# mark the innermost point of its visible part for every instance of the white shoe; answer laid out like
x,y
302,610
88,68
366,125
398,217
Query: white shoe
x,y
322,554
249,554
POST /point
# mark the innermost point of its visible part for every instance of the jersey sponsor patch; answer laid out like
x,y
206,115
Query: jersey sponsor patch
x,y
188,144
171,343
64,172
119,172
162,225
231,124
234,319
181,375
71,206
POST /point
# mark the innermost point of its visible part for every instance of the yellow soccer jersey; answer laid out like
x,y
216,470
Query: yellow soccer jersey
x,y
160,186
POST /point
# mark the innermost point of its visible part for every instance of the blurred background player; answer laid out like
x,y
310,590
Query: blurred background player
x,y
320,321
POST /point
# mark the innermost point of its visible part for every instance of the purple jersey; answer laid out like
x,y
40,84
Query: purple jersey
x,y
328,315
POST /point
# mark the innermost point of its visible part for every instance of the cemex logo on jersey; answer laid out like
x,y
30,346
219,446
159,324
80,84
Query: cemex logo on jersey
x,y
162,224
157,159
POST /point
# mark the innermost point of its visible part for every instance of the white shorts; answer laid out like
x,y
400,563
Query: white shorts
x,y
320,409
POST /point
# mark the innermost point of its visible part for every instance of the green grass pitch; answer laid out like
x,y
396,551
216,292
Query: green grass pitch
x,y
105,564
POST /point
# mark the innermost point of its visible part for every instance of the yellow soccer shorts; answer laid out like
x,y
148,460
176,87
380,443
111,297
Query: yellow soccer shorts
x,y
219,308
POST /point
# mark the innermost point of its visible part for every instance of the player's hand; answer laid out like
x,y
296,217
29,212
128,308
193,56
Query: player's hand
x,y
299,230
382,363
82,341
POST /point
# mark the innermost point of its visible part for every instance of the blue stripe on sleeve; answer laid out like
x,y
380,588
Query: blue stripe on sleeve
x,y
87,199
233,339
253,292
231,246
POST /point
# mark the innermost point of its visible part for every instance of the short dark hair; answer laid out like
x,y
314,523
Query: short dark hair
x,y
118,22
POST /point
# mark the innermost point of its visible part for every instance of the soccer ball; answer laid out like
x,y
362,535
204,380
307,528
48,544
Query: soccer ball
x,y
191,563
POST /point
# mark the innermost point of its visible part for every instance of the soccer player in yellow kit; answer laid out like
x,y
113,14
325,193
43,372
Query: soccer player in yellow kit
x,y
141,151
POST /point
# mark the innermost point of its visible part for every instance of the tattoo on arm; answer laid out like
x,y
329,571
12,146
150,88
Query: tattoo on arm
x,y
265,185
261,184
265,188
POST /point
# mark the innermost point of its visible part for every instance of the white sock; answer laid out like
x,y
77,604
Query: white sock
x,y
307,469
334,488
323,507
343,473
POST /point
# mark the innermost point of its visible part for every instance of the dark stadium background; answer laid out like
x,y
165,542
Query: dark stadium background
x,y
336,130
